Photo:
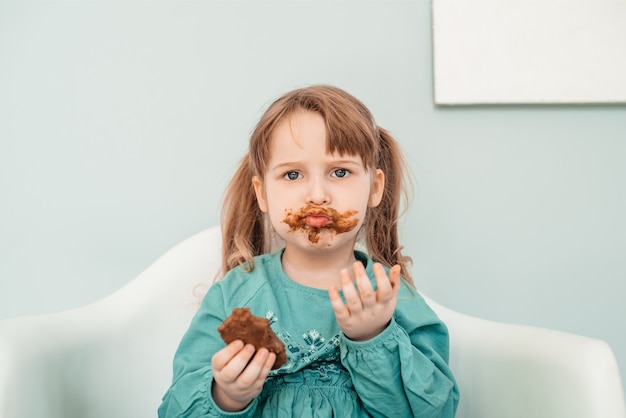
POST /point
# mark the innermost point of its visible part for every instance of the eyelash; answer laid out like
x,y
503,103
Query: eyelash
x,y
286,175
346,173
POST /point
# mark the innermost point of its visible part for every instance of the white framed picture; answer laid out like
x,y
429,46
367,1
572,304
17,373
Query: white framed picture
x,y
529,51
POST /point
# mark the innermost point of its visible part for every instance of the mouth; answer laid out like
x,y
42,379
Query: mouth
x,y
317,221
314,219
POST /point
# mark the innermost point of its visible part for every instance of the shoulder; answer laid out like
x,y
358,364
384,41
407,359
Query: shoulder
x,y
240,285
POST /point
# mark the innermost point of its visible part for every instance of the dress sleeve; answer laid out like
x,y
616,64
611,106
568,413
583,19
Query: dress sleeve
x,y
189,395
404,370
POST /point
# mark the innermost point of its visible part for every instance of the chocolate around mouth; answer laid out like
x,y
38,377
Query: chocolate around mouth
x,y
337,222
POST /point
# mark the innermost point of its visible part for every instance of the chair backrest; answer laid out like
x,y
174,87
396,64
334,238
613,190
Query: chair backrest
x,y
113,358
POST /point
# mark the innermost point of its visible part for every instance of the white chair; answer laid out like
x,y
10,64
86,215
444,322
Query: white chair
x,y
113,358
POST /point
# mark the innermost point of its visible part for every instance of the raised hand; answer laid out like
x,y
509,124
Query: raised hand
x,y
366,312
238,379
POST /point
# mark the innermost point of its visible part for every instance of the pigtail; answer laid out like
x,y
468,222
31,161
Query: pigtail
x,y
243,235
381,234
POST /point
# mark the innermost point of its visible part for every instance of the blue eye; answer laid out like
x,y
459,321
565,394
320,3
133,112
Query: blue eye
x,y
292,175
340,173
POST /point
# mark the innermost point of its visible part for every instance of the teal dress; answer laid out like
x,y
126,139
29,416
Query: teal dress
x,y
402,372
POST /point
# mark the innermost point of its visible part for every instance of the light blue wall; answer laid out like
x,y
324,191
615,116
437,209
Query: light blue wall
x,y
120,124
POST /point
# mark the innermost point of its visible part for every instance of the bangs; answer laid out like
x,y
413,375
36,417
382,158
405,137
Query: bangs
x,y
345,138
350,127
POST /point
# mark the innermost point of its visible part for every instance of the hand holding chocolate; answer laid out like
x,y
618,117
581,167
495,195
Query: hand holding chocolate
x,y
242,325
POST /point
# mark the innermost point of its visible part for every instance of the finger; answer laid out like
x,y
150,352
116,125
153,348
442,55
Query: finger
x,y
368,296
395,276
353,300
222,357
269,363
384,290
254,369
265,370
231,371
341,311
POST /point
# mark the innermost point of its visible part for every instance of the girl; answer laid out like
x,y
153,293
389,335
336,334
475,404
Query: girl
x,y
360,341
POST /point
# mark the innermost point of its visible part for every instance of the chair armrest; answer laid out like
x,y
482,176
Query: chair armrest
x,y
113,357
516,371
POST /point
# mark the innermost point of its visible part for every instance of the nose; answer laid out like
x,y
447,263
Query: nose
x,y
317,193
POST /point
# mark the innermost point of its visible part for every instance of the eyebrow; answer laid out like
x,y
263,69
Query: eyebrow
x,y
332,162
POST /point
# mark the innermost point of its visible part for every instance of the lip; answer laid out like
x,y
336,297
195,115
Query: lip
x,y
315,220
316,211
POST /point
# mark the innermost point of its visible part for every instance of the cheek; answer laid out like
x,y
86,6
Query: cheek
x,y
277,202
362,194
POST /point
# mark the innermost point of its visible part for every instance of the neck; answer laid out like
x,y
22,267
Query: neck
x,y
317,269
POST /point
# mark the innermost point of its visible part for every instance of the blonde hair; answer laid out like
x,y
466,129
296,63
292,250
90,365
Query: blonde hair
x,y
350,129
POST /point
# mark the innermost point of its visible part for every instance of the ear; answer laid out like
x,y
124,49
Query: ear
x,y
259,191
378,186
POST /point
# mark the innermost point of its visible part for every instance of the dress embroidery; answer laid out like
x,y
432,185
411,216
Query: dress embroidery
x,y
311,347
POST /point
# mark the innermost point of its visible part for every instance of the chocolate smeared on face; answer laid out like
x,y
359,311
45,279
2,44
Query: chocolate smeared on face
x,y
313,219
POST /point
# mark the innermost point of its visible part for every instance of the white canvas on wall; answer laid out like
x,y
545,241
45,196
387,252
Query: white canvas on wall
x,y
529,51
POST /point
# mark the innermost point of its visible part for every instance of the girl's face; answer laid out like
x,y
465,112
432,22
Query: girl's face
x,y
314,200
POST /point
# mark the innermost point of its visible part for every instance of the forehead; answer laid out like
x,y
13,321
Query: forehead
x,y
302,129
308,132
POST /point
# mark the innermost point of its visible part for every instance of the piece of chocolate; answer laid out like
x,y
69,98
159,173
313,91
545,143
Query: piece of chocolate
x,y
242,325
